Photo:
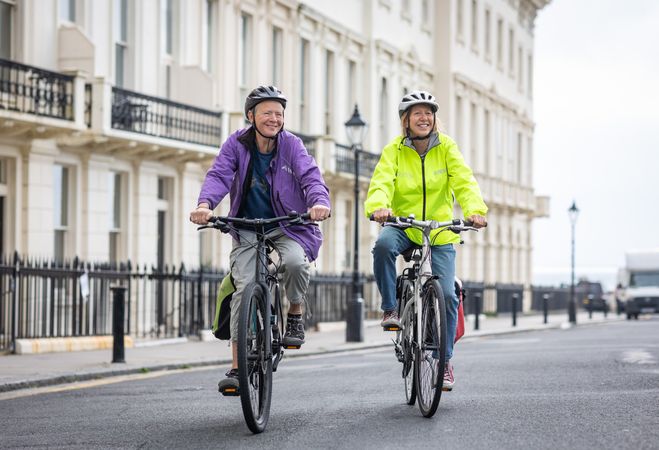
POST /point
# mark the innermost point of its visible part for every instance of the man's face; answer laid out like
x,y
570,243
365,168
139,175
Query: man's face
x,y
268,116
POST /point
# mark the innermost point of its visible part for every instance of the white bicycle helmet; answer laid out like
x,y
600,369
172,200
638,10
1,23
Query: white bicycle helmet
x,y
417,98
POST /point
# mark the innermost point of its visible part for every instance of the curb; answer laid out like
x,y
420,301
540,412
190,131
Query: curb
x,y
73,378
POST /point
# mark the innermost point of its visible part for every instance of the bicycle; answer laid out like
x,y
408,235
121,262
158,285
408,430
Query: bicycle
x,y
421,340
261,320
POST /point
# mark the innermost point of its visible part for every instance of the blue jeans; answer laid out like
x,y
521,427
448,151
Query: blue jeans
x,y
391,243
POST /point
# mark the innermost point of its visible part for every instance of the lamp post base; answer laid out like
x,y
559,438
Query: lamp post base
x,y
355,320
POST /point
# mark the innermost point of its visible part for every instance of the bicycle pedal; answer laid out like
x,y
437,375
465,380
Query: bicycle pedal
x,y
230,392
292,347
391,328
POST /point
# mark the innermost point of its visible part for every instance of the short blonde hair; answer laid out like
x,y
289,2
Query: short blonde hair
x,y
404,121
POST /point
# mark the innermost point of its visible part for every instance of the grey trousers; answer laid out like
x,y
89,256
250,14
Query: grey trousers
x,y
294,265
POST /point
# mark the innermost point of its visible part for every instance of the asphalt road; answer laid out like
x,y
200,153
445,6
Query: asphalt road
x,y
586,387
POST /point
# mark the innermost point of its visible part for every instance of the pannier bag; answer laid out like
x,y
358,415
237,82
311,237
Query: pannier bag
x,y
221,324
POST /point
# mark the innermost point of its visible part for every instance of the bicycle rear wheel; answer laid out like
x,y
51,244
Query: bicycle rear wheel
x,y
254,361
405,338
431,350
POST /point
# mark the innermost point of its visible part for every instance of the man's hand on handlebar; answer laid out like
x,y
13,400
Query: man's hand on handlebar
x,y
478,221
381,215
318,213
201,214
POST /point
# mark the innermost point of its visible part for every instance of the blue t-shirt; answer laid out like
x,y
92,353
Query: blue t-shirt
x,y
258,204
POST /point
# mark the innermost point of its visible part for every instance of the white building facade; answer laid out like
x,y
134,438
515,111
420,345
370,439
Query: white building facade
x,y
103,152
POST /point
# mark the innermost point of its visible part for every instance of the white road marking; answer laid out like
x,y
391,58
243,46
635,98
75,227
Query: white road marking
x,y
638,357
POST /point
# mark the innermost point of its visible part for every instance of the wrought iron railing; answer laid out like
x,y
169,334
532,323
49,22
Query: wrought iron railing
x,y
308,141
32,90
345,161
153,116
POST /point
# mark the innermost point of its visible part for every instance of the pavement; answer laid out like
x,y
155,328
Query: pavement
x,y
46,369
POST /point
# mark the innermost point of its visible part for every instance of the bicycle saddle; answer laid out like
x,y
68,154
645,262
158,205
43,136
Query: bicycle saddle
x,y
407,254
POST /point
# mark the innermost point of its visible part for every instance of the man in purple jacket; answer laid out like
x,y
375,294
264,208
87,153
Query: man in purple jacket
x,y
268,173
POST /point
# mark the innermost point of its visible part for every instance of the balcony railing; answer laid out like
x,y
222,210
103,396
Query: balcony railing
x,y
308,141
153,116
345,160
31,90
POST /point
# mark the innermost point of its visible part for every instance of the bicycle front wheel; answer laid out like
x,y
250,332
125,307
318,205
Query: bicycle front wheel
x,y
254,361
406,338
431,349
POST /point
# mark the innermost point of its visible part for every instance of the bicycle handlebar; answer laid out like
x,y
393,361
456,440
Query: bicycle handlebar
x,y
222,223
455,225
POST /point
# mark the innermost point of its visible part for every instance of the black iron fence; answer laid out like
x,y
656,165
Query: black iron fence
x,y
308,141
139,113
345,160
32,90
43,299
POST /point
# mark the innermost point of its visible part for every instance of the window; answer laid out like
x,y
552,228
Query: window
x,y
121,41
164,232
351,91
457,124
208,41
460,26
245,53
425,14
474,25
384,102
520,69
6,27
166,7
520,160
473,134
67,10
529,81
61,190
304,80
488,31
329,90
500,44
486,141
277,55
511,52
115,194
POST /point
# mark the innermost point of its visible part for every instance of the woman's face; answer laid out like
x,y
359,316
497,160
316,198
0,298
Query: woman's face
x,y
268,117
421,120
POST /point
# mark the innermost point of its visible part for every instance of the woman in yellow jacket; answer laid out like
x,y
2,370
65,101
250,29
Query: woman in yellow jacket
x,y
421,172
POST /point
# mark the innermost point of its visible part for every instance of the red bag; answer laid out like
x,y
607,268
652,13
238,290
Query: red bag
x,y
460,328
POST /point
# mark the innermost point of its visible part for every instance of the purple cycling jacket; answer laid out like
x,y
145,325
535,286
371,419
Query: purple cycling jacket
x,y
295,184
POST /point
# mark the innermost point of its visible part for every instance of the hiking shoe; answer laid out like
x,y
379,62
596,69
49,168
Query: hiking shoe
x,y
390,319
449,380
229,385
294,335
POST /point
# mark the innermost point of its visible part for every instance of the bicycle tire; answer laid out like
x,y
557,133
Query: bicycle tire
x,y
405,338
431,349
254,357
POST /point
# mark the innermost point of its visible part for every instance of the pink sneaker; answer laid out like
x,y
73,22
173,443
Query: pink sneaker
x,y
449,380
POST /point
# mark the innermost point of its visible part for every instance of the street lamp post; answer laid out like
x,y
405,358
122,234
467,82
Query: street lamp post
x,y
355,129
573,212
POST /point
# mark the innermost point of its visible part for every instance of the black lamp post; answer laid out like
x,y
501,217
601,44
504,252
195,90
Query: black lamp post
x,y
573,212
355,129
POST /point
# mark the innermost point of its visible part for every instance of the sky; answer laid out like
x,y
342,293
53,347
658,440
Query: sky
x,y
596,109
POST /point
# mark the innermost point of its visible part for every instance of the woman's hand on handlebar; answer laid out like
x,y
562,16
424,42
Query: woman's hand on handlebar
x,y
478,221
318,213
381,215
201,214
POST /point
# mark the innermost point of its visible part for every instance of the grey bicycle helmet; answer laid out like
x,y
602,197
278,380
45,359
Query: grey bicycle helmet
x,y
261,94
417,98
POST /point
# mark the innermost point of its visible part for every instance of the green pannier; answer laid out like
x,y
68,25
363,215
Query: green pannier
x,y
222,322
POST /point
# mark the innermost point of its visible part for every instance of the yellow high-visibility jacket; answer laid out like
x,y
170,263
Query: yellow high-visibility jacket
x,y
425,187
